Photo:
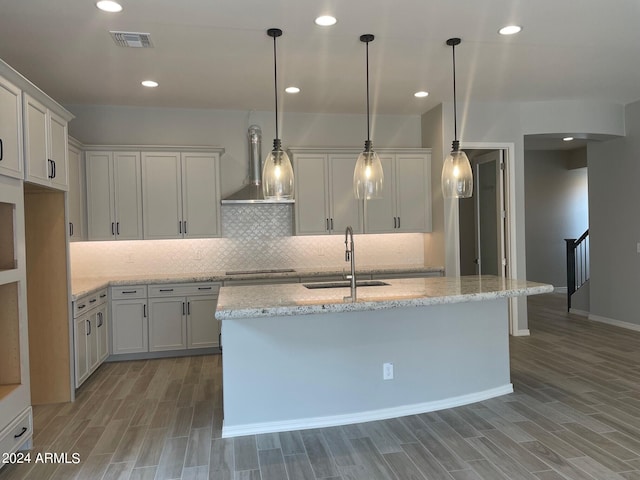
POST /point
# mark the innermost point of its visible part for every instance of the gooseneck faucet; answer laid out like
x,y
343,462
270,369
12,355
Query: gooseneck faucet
x,y
349,255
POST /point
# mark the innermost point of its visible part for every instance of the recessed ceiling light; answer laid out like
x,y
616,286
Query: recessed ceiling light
x,y
567,139
421,94
510,30
325,20
292,89
109,6
149,83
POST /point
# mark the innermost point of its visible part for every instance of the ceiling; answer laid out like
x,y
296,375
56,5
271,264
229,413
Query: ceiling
x,y
216,54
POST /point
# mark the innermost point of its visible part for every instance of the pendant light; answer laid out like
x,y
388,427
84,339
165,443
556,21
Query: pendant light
x,y
368,176
457,177
277,172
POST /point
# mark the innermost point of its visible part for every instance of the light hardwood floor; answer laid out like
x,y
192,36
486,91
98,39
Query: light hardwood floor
x,y
575,414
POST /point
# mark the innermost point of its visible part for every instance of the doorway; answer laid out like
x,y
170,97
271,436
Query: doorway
x,y
482,218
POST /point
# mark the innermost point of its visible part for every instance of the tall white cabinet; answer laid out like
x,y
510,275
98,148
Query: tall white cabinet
x,y
181,194
325,203
11,158
76,194
114,195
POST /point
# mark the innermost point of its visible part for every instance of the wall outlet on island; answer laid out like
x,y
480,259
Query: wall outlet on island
x,y
387,371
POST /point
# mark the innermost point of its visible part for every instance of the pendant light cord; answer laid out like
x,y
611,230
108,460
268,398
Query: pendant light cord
x,y
275,81
368,127
455,107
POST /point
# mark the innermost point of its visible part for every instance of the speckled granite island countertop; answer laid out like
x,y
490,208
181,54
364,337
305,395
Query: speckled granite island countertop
x,y
84,286
295,299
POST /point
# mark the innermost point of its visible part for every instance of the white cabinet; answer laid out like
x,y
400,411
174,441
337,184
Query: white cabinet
x,y
325,202
11,159
129,322
90,334
181,316
45,135
181,194
75,196
406,204
114,195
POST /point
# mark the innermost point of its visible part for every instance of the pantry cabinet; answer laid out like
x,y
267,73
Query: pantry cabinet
x,y
406,203
114,195
325,203
11,158
45,140
181,194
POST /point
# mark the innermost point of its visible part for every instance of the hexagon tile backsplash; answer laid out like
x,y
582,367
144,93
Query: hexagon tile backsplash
x,y
255,237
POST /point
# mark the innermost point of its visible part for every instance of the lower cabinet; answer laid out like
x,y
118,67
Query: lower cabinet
x,y
90,334
160,318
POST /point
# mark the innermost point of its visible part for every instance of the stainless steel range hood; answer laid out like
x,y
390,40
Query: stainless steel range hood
x,y
252,193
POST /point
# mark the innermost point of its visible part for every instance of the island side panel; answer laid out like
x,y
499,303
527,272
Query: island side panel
x,y
294,372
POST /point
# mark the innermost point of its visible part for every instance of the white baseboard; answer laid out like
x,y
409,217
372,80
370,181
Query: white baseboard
x,y
523,332
582,313
381,414
617,323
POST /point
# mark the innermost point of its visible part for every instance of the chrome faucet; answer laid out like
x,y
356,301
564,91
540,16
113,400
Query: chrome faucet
x,y
349,255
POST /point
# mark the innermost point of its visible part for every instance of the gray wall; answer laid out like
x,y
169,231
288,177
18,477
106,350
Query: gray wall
x,y
614,223
556,206
122,125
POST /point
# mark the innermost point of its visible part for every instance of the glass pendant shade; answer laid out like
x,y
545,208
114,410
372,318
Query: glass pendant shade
x,y
368,176
457,176
277,176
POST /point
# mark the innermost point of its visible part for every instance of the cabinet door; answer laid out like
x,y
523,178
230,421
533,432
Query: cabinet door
x,y
102,334
345,209
130,328
92,341
80,341
10,130
202,328
37,165
200,195
127,185
75,201
167,324
162,195
100,196
380,213
312,199
413,180
57,148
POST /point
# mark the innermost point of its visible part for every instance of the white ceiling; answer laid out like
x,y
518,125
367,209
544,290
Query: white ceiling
x,y
216,54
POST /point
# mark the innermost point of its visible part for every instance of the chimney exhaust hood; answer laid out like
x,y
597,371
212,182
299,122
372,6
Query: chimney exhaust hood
x,y
252,193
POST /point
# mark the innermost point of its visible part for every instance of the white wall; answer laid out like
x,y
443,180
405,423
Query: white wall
x,y
614,223
121,125
556,205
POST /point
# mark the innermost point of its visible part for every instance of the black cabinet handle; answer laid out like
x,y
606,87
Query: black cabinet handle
x,y
129,291
103,295
71,229
185,227
50,168
89,330
332,224
183,309
220,341
398,222
117,228
188,308
22,432
144,310
93,300
395,224
80,307
1,150
327,220
54,168
204,288
113,228
166,289
179,227
100,319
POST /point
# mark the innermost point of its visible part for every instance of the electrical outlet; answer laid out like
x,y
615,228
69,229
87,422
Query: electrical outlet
x,y
387,371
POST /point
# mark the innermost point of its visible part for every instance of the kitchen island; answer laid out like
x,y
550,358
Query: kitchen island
x,y
296,358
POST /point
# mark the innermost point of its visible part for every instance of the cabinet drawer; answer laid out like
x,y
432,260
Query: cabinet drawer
x,y
88,302
129,291
184,289
17,432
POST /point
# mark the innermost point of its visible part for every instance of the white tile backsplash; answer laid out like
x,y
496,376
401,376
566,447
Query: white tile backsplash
x,y
255,237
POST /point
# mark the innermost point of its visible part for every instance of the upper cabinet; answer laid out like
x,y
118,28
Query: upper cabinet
x,y
181,194
406,204
75,197
114,196
45,135
325,203
11,159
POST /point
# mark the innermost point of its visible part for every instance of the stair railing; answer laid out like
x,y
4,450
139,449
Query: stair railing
x,y
577,264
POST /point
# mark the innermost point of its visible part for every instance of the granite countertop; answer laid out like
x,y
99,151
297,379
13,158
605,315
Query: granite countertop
x,y
85,286
294,299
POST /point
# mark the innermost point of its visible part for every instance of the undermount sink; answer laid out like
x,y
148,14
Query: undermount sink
x,y
345,284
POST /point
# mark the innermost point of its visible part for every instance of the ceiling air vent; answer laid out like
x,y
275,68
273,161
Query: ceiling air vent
x,y
132,39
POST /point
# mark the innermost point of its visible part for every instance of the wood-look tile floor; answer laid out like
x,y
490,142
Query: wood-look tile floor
x,y
575,414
